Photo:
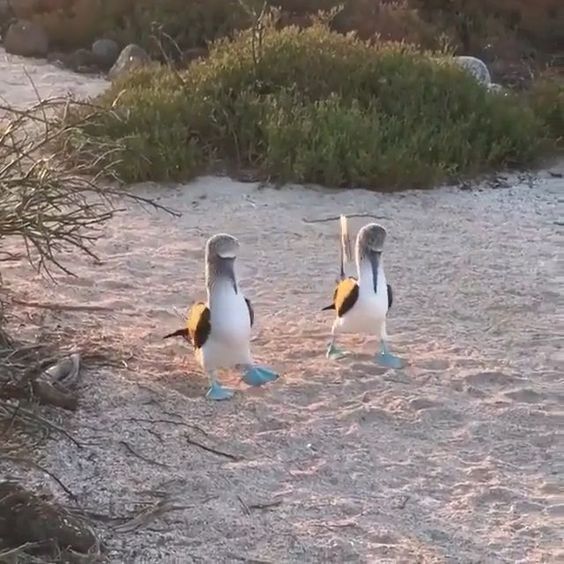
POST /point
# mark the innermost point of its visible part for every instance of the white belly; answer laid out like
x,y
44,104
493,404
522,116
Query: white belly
x,y
368,314
228,342
216,355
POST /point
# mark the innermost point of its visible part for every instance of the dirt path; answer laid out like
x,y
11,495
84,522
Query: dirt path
x,y
457,458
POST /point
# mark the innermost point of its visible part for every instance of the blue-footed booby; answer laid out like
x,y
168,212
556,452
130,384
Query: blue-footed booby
x,y
362,303
220,330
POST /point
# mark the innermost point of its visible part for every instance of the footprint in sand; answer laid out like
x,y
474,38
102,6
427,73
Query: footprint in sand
x,y
189,384
422,403
434,364
525,395
364,369
489,379
110,284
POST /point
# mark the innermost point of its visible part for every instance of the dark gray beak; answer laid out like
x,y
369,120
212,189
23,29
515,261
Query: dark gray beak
x,y
375,262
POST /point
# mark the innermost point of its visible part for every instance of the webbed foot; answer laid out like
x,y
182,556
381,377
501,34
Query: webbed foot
x,y
387,359
335,353
258,375
217,392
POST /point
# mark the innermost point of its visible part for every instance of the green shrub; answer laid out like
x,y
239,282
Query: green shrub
x,y
547,100
189,23
315,106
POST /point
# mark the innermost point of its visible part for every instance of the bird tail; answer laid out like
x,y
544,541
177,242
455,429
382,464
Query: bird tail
x,y
178,333
346,248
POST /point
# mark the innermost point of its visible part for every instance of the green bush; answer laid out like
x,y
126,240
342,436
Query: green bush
x,y
314,106
188,23
547,100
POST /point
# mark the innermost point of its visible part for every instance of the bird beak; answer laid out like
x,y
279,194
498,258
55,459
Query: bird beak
x,y
375,262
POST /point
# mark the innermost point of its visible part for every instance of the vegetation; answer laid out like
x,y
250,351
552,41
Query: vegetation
x,y
547,99
311,105
51,209
532,27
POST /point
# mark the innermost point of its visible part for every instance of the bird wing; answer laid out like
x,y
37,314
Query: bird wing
x,y
251,311
345,296
390,297
198,324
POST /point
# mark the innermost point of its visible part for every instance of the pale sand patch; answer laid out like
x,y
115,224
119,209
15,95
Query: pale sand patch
x,y
457,458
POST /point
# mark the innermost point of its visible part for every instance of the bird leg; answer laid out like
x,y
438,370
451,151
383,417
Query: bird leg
x,y
217,392
254,375
333,352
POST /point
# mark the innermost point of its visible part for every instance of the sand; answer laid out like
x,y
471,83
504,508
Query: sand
x,y
456,458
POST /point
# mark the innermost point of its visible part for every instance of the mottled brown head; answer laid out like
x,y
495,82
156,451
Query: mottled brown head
x,y
222,246
372,237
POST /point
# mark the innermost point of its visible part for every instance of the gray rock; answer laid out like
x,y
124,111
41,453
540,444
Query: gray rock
x,y
27,39
81,60
106,52
132,57
476,68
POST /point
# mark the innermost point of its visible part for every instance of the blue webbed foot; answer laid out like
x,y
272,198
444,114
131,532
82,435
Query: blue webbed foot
x,y
334,353
217,392
258,375
387,359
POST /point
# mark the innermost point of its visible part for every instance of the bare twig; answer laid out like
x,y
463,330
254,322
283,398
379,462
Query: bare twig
x,y
142,457
28,462
48,198
265,505
338,217
212,449
149,515
59,307
168,421
10,554
33,417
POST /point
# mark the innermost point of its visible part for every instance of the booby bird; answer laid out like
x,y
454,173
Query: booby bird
x,y
220,330
362,303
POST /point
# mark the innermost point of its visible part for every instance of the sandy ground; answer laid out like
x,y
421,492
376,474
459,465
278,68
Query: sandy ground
x,y
457,458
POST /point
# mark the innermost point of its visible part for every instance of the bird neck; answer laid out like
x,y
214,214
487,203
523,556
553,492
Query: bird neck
x,y
366,275
220,276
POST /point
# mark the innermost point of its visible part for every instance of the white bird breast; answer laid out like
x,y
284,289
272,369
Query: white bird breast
x,y
368,314
228,342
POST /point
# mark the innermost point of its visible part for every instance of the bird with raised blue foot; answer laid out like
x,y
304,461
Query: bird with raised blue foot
x,y
362,303
220,330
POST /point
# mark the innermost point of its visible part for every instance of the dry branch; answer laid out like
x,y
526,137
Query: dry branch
x,y
338,217
50,202
213,450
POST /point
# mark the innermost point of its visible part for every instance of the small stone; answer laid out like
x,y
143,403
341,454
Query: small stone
x,y
57,58
132,57
476,67
27,39
81,60
106,52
